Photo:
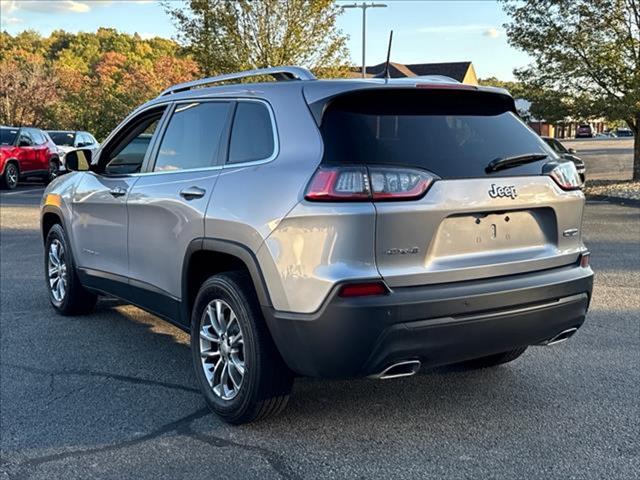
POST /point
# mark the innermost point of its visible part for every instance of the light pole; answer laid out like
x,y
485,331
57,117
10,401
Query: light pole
x,y
364,7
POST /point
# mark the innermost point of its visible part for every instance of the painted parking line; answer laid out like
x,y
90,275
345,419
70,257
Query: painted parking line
x,y
22,191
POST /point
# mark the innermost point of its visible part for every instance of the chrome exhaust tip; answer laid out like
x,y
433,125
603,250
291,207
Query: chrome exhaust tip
x,y
398,370
563,336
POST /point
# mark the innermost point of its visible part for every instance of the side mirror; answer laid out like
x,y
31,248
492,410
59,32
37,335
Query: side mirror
x,y
571,150
78,160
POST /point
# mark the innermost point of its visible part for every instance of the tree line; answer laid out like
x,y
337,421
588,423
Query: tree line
x,y
91,81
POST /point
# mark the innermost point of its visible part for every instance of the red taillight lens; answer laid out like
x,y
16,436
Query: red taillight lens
x,y
566,176
358,183
339,184
363,289
585,258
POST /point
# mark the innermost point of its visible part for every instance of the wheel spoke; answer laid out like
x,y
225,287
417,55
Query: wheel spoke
x,y
220,316
204,335
233,373
210,353
236,340
211,313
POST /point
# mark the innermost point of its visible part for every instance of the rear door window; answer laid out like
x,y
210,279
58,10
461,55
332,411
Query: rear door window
x,y
452,134
193,137
252,136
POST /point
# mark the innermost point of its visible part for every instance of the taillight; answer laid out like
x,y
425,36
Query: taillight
x,y
338,184
565,175
359,183
585,258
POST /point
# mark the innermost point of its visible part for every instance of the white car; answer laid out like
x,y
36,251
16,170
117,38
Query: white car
x,y
68,140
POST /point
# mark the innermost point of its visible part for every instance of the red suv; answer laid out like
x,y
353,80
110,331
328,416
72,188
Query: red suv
x,y
26,152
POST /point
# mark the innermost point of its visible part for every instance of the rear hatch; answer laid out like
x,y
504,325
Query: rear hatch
x,y
472,222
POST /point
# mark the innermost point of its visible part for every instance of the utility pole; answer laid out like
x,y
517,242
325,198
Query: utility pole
x,y
364,7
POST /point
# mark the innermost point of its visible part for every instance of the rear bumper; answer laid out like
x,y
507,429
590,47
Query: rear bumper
x,y
437,324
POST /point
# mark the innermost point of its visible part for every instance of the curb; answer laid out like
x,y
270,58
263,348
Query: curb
x,y
627,202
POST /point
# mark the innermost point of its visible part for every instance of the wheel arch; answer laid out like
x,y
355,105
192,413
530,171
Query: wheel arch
x,y
208,256
50,217
11,160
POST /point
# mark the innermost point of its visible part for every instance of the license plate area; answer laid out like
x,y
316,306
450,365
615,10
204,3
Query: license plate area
x,y
483,233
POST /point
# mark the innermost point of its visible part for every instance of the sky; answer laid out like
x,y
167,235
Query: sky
x,y
424,31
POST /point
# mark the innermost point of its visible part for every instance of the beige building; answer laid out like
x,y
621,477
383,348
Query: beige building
x,y
460,71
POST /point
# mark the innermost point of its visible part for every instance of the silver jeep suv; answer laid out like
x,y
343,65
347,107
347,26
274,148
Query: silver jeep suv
x,y
330,228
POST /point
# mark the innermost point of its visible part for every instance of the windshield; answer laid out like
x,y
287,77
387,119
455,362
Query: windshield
x,y
8,136
65,139
451,138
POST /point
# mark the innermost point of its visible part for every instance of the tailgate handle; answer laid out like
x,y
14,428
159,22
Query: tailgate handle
x,y
190,193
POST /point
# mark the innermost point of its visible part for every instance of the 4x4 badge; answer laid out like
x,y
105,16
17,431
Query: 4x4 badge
x,y
502,191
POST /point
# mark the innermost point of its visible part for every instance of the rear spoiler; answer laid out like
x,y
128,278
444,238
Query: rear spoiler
x,y
457,97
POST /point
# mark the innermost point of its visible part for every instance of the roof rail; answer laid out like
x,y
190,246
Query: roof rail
x,y
279,73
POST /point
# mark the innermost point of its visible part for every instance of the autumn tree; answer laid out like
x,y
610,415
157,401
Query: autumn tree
x,y
230,36
589,51
27,89
84,81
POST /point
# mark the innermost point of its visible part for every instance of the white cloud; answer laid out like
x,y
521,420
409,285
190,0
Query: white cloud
x,y
486,30
491,32
49,6
10,20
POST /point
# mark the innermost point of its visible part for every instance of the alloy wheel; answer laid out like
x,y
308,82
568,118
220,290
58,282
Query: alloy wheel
x,y
57,270
222,349
53,171
12,175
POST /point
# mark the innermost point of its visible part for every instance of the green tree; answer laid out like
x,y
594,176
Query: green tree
x,y
230,36
588,50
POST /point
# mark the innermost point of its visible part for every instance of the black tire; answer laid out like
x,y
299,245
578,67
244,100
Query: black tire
x,y
76,300
9,179
53,172
492,360
265,387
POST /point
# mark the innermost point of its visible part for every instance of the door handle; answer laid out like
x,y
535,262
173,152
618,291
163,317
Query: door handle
x,y
190,193
117,191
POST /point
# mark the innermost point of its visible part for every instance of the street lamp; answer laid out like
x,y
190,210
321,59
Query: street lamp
x,y
364,7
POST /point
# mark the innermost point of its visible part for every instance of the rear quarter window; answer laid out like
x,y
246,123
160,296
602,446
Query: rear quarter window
x,y
252,136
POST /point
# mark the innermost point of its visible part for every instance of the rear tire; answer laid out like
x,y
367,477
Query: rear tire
x,y
66,293
493,360
257,382
9,179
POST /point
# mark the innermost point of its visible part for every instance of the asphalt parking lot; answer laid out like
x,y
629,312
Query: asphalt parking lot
x,y
605,158
112,395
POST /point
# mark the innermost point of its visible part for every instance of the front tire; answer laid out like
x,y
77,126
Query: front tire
x,y
10,177
66,293
239,369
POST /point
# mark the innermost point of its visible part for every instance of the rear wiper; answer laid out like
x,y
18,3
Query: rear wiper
x,y
506,162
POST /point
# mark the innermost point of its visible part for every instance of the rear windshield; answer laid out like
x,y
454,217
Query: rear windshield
x,y
65,139
452,134
8,136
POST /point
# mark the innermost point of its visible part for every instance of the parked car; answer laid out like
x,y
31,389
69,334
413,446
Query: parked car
x,y
568,154
26,152
68,140
584,131
624,132
324,228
